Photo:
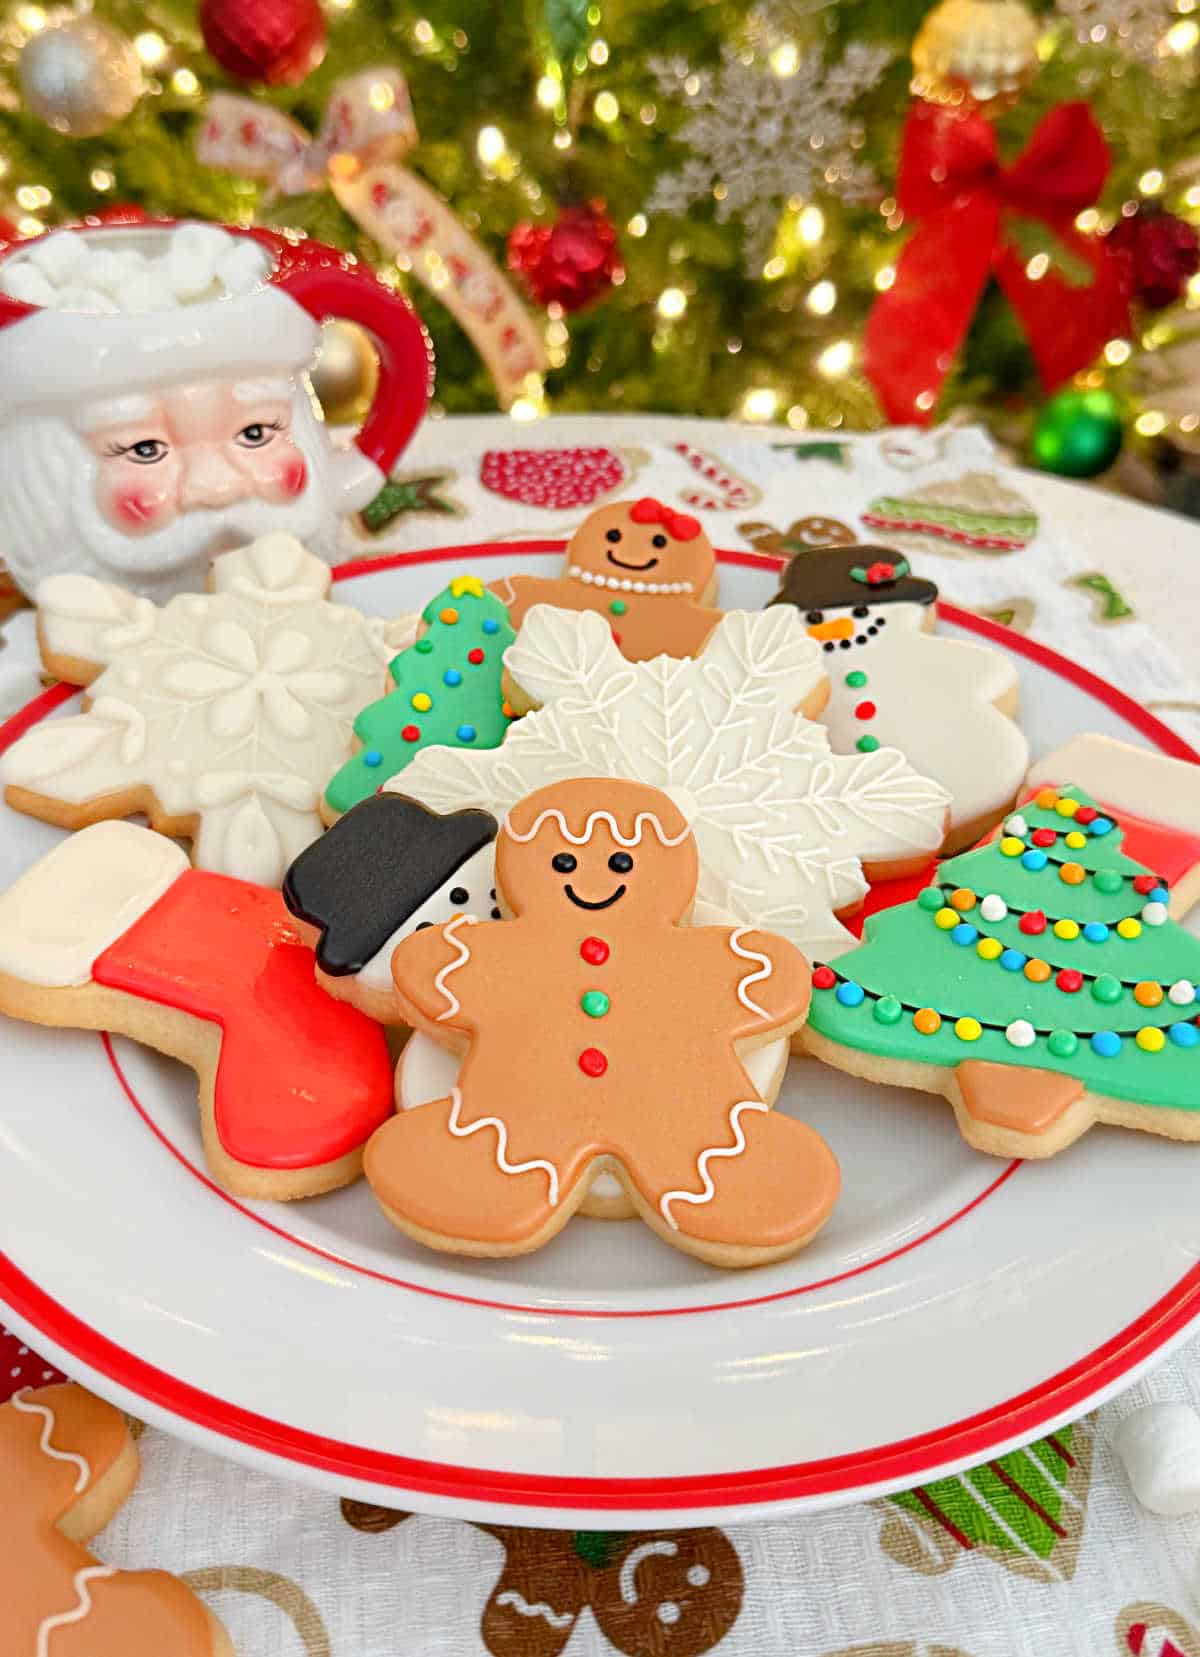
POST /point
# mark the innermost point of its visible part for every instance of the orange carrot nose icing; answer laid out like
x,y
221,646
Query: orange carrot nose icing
x,y
843,629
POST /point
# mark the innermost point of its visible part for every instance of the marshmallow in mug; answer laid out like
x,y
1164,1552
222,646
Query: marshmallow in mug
x,y
64,272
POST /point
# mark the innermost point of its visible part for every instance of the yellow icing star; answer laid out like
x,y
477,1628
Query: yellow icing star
x,y
466,584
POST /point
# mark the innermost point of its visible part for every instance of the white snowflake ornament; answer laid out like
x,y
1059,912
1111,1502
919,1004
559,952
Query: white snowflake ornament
x,y
784,826
221,715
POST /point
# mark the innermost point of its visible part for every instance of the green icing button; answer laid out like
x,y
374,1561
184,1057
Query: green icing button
x,y
1064,1044
1107,880
423,647
618,607
857,679
595,1003
931,898
867,744
1107,989
888,1010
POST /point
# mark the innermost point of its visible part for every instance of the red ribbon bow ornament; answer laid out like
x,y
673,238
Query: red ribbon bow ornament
x,y
681,526
967,204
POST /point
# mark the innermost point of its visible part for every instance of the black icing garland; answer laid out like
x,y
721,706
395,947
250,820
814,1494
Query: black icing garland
x,y
374,867
832,578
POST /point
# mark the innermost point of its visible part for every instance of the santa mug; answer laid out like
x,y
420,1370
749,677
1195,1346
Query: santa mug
x,y
136,444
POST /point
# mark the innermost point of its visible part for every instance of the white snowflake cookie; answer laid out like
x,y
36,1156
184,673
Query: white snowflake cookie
x,y
784,826
222,716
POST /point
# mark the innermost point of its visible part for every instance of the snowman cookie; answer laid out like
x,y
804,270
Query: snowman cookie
x,y
648,570
945,704
637,1063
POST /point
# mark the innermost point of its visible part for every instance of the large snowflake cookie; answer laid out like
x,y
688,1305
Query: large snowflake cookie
x,y
222,716
788,832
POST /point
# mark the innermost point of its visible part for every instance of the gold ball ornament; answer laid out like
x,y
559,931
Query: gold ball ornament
x,y
345,373
975,52
79,75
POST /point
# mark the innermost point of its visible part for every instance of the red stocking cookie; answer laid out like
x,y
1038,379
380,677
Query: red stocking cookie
x,y
636,1061
113,930
649,571
69,1464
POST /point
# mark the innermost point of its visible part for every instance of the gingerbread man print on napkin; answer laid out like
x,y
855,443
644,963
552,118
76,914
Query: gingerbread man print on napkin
x,y
648,570
635,1064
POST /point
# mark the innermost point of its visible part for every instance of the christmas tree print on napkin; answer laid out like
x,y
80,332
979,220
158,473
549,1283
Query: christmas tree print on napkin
x,y
1024,1511
410,496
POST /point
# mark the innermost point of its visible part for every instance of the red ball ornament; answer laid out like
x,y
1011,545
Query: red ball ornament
x,y
1162,252
570,263
276,41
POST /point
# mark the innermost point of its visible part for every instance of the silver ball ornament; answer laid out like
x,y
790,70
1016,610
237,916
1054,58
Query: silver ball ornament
x,y
79,75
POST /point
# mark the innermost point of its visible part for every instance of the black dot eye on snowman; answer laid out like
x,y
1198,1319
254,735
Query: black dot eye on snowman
x,y
459,895
620,863
815,617
563,863
860,610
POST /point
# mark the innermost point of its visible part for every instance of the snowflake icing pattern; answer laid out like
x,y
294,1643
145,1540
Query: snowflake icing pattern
x,y
783,825
221,714
764,137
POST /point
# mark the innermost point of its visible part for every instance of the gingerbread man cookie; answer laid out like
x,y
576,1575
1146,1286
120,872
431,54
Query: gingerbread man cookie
x,y
113,930
648,570
637,1065
69,1464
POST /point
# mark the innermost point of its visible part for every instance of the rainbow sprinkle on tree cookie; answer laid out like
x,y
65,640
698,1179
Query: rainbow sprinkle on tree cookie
x,y
1040,983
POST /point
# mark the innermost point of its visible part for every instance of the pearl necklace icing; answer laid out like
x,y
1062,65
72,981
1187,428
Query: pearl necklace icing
x,y
625,585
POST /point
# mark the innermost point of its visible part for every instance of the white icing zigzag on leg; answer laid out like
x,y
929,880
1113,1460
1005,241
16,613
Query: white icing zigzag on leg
x,y
705,1157
464,954
78,1612
556,1619
20,1401
502,1161
765,971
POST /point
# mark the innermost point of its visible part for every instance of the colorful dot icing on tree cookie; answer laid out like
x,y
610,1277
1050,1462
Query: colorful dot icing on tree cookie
x,y
944,703
597,875
112,930
975,513
447,692
70,1464
221,715
1042,983
648,570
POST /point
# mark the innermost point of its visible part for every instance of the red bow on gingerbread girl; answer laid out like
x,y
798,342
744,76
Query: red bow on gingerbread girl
x,y
601,1035
648,570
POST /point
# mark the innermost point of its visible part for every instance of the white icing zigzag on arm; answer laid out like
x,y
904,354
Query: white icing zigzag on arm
x,y
464,954
765,971
88,1574
502,1161
589,828
705,1157
556,1619
20,1402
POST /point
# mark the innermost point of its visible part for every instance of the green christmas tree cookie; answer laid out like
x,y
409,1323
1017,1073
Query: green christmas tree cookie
x,y
447,693
1040,984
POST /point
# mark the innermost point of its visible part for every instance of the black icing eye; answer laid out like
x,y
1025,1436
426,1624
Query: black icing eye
x,y
563,863
496,915
459,895
613,535
620,863
814,617
860,610
658,540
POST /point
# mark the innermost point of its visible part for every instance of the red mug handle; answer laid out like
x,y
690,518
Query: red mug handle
x,y
327,285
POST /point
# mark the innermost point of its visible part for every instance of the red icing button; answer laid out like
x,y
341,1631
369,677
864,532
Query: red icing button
x,y
616,636
592,1062
1043,837
1034,921
824,978
1086,814
1069,980
594,951
1143,884
475,655
411,733
865,710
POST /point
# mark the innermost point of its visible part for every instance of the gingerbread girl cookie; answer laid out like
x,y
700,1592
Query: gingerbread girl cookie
x,y
113,930
69,1464
637,1066
648,570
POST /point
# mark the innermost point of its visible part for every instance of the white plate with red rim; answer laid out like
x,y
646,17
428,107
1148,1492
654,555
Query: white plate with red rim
x,y
954,1306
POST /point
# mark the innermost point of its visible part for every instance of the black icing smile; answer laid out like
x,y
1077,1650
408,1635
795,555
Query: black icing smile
x,y
622,565
605,903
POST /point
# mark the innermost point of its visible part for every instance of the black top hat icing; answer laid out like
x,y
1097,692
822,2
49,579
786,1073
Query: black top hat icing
x,y
376,865
835,578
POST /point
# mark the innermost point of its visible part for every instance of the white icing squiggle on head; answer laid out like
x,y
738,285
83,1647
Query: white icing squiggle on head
x,y
589,828
78,1612
21,1402
635,1556
765,971
464,954
556,1619
705,1157
502,1161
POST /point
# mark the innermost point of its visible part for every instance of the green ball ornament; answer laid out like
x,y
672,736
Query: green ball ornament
x,y
1078,433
